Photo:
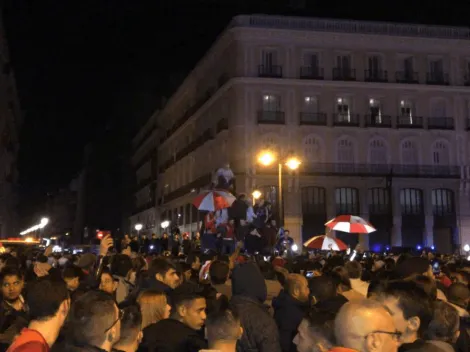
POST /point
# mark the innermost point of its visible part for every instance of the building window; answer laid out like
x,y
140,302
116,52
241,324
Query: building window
x,y
378,153
375,111
409,153
271,102
269,58
347,201
313,200
440,154
378,200
411,201
345,151
312,149
406,112
442,202
438,108
343,110
310,104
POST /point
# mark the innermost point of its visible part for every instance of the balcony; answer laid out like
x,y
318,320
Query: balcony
x,y
346,120
375,76
270,71
344,74
271,117
409,122
311,72
441,123
381,170
378,121
437,78
312,118
410,77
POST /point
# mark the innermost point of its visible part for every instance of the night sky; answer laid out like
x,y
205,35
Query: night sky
x,y
84,67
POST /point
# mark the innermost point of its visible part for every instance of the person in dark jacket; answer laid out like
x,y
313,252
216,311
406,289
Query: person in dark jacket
x,y
180,333
290,307
249,292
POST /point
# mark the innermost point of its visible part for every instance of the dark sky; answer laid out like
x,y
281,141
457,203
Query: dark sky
x,y
84,65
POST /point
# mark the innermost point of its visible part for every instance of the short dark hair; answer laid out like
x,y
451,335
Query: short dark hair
x,y
121,264
412,300
427,284
89,317
354,269
160,266
458,292
44,297
131,324
444,324
341,277
183,294
218,272
322,288
72,271
11,271
223,325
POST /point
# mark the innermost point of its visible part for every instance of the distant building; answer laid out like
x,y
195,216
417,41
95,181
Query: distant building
x,y
378,113
144,162
10,124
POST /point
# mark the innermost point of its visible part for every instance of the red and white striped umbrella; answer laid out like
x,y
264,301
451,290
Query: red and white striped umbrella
x,y
350,224
213,200
326,243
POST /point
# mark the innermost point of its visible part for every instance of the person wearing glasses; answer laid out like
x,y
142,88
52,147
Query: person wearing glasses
x,y
93,325
365,326
412,311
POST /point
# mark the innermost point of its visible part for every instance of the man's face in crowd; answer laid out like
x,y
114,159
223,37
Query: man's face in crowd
x,y
193,314
170,278
408,327
12,287
72,283
303,340
107,284
196,264
384,338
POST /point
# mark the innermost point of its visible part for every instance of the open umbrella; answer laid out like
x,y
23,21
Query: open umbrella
x,y
350,224
326,243
213,200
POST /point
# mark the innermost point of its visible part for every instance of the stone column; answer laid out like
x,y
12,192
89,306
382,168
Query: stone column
x,y
364,211
396,230
428,238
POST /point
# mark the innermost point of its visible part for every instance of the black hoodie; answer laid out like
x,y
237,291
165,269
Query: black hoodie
x,y
248,295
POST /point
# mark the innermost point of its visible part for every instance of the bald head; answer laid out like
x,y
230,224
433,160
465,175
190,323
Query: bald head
x,y
357,320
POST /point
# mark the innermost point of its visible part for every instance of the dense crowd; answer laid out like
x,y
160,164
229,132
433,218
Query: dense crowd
x,y
206,301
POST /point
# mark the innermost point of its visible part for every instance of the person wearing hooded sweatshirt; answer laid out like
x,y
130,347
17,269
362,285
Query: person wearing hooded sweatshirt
x,y
290,307
249,292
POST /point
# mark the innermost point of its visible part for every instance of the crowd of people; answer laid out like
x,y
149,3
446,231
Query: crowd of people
x,y
210,301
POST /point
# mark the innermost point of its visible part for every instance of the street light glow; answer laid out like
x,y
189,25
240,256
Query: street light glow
x,y
256,194
266,158
293,163
42,224
165,224
466,248
138,227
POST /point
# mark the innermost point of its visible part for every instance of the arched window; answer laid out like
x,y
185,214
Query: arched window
x,y
378,152
270,141
411,201
345,155
440,154
442,202
347,201
313,200
313,149
409,153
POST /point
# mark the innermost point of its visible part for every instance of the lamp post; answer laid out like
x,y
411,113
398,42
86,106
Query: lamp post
x,y
138,227
267,158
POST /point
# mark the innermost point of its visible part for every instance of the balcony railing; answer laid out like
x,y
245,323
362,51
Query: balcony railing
x,y
409,122
311,72
381,170
441,123
378,120
344,74
407,77
313,118
437,78
346,119
375,76
270,71
271,117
